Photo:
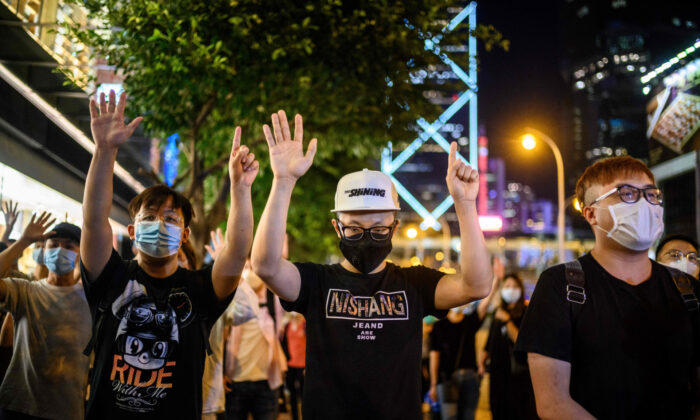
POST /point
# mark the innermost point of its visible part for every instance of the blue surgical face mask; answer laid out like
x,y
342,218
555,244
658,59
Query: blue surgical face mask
x,y
157,239
60,260
38,255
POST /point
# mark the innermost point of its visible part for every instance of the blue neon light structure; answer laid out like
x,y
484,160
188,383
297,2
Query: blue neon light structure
x,y
430,131
171,159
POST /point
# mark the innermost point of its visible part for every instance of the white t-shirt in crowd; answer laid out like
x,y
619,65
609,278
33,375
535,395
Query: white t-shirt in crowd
x,y
213,396
48,373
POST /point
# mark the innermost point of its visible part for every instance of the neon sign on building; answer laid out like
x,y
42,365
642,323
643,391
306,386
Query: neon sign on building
x,y
428,130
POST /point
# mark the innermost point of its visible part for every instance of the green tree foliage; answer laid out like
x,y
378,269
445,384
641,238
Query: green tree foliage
x,y
200,68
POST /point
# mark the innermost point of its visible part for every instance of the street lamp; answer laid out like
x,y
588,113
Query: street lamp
x,y
411,233
529,143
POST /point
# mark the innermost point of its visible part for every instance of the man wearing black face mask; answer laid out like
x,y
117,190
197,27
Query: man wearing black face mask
x,y
364,315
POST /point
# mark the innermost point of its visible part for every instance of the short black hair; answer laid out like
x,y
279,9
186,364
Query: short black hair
x,y
676,237
155,196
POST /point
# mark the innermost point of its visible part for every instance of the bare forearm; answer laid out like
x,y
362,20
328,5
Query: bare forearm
x,y
565,409
11,254
483,307
551,379
434,367
97,201
6,234
474,261
512,331
269,238
96,246
239,234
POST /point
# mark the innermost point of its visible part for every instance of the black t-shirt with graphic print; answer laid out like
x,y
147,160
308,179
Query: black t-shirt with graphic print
x,y
364,338
149,357
632,349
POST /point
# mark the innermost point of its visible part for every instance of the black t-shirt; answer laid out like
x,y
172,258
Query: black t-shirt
x,y
500,348
363,340
447,337
632,349
149,357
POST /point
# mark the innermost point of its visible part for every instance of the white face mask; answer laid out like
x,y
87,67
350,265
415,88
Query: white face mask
x,y
685,267
157,239
636,226
510,295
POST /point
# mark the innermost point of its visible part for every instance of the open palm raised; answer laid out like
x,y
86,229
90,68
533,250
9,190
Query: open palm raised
x,y
287,156
107,121
37,226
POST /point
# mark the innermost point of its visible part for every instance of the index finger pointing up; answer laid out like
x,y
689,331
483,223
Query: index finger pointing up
x,y
453,154
236,139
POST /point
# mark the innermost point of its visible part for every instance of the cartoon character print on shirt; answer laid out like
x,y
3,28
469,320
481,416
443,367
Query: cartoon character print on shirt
x,y
367,313
145,345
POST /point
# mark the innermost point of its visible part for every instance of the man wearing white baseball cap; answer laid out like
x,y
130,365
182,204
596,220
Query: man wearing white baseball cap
x,y
364,315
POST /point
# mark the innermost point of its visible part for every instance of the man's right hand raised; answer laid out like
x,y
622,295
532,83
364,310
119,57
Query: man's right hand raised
x,y
287,156
107,121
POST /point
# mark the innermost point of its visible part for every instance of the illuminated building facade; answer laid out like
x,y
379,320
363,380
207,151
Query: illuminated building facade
x,y
608,46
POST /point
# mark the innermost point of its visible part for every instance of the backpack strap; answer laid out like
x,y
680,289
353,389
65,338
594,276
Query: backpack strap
x,y
105,302
575,282
685,288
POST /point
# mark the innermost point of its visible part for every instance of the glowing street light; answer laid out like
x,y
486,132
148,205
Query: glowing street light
x,y
577,205
529,141
411,233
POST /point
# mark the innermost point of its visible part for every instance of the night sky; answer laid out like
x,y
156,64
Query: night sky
x,y
522,87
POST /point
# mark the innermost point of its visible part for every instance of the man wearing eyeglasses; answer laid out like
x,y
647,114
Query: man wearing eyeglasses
x,y
364,315
680,252
626,345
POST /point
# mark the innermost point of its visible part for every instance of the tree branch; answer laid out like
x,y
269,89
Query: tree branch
x,y
205,111
215,166
150,174
218,210
180,178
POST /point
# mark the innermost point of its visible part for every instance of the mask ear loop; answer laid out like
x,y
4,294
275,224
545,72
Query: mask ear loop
x,y
614,219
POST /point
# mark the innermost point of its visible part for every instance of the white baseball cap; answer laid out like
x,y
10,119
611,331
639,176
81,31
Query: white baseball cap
x,y
366,190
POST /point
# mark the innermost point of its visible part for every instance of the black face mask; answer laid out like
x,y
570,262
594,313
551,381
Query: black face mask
x,y
365,254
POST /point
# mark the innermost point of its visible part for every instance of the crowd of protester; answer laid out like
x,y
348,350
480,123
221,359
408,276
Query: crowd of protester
x,y
88,334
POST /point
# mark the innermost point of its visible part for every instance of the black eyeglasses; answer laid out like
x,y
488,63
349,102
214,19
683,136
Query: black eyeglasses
x,y
631,194
355,233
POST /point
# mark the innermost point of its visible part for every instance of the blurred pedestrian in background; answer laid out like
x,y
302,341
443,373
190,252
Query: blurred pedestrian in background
x,y
453,371
295,343
510,391
680,252
47,376
254,360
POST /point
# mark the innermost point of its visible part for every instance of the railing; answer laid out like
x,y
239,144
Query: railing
x,y
42,20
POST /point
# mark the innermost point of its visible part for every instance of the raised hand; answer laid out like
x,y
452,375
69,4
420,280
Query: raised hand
x,y
217,239
9,210
107,121
242,166
36,229
462,180
287,156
